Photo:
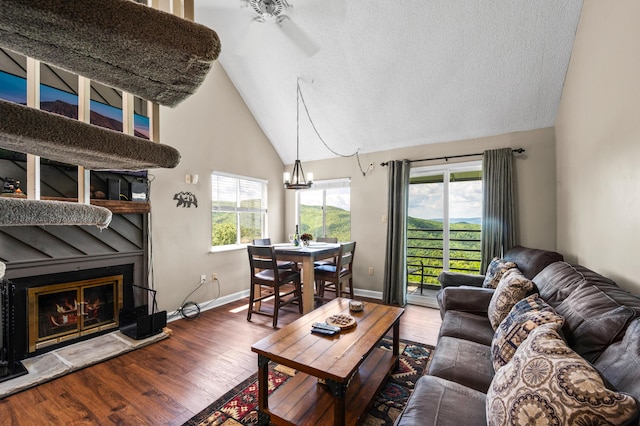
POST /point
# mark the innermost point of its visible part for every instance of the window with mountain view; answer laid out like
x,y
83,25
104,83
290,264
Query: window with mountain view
x,y
445,214
238,209
325,209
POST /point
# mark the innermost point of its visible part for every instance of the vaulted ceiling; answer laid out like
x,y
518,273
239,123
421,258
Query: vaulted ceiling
x,y
377,75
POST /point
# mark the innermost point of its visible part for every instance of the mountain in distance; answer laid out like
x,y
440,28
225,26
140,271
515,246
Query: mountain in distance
x,y
471,220
69,110
60,108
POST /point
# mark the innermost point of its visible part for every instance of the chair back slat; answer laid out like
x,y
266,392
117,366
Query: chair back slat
x,y
332,240
262,242
345,258
262,257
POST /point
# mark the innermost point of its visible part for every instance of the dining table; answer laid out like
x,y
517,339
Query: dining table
x,y
307,255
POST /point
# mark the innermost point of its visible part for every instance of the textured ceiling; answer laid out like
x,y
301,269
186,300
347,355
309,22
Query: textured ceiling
x,y
392,74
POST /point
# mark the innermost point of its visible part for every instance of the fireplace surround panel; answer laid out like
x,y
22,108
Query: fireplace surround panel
x,y
57,309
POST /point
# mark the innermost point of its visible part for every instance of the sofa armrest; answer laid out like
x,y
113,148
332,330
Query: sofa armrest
x,y
454,279
466,299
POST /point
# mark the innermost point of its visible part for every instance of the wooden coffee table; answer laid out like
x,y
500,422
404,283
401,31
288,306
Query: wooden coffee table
x,y
350,365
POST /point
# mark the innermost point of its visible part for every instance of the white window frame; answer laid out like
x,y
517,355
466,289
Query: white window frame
x,y
237,209
324,185
446,170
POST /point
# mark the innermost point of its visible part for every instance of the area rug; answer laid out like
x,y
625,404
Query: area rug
x,y
239,406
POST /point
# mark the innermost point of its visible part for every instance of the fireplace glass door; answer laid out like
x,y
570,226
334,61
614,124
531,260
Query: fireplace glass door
x,y
62,312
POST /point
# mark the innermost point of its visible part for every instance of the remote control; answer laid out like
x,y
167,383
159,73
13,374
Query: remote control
x,y
323,331
325,326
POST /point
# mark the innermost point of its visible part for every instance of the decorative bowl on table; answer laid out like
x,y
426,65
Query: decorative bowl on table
x,y
343,321
356,306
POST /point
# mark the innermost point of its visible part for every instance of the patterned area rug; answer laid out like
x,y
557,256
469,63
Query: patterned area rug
x,y
239,406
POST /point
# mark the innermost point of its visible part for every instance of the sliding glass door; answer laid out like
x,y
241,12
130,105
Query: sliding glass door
x,y
443,224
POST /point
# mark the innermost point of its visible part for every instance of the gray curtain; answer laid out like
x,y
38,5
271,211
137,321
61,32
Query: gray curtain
x,y
498,205
395,273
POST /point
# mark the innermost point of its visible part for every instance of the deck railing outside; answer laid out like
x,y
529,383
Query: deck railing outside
x,y
425,253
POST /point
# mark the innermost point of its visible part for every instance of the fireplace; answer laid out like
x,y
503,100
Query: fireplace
x,y
67,311
57,309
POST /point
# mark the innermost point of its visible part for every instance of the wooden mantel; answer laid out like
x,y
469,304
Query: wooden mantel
x,y
116,206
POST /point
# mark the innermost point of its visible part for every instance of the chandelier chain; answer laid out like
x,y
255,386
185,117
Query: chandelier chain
x,y
313,125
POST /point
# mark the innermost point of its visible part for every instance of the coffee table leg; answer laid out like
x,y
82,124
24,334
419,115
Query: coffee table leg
x,y
396,343
263,390
339,391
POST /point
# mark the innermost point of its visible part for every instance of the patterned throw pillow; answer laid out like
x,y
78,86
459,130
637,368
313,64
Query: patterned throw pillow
x,y
526,315
546,382
512,288
496,268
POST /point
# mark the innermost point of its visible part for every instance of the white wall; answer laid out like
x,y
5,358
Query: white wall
x,y
598,146
535,186
213,130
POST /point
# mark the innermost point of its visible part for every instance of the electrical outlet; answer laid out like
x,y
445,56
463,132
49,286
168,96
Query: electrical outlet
x,y
370,270
214,277
203,279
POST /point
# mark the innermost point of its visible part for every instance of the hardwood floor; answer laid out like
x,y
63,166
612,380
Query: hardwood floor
x,y
170,381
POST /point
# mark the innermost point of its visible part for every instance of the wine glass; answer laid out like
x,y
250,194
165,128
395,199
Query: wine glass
x,y
292,237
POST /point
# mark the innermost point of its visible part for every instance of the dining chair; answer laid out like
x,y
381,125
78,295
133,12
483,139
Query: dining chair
x,y
332,240
332,277
269,281
282,264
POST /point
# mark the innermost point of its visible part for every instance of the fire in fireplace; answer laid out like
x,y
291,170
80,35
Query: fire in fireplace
x,y
61,312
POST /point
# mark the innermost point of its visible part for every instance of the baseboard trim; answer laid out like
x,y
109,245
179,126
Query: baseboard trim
x,y
370,294
213,303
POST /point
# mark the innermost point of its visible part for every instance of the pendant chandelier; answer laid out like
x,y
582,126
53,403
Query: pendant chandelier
x,y
296,179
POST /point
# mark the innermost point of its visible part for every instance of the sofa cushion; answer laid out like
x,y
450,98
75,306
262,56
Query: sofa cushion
x,y
530,260
559,280
513,286
619,364
467,299
496,268
467,326
593,320
456,279
526,315
436,401
464,362
548,383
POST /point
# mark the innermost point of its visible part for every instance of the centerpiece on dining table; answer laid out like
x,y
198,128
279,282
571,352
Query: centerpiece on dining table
x,y
306,239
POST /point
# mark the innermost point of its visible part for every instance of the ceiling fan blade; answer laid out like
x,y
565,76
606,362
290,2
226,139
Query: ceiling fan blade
x,y
299,37
249,39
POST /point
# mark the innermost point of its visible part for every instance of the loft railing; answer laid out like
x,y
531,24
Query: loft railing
x,y
425,253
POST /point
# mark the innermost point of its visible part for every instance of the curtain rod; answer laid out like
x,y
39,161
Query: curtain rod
x,y
518,150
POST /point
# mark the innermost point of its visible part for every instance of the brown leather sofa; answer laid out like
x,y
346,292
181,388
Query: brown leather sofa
x,y
602,324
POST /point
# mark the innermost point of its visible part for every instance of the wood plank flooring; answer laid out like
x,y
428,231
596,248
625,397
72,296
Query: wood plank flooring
x,y
168,382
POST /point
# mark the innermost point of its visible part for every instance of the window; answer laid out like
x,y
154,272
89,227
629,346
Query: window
x,y
58,93
325,209
238,209
443,227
